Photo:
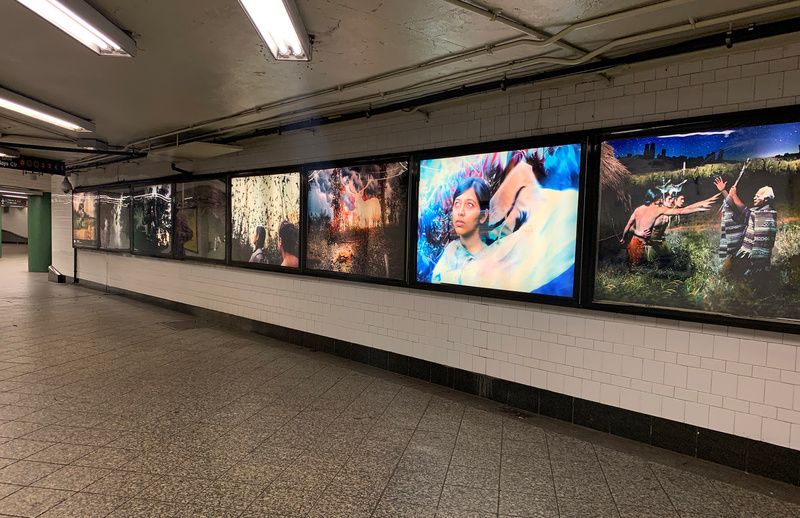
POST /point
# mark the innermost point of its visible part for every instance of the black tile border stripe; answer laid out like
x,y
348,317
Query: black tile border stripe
x,y
757,457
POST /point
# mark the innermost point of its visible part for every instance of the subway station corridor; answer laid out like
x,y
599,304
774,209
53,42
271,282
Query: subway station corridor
x,y
112,407
409,258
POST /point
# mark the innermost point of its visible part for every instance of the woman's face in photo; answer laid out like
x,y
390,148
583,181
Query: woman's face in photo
x,y
467,214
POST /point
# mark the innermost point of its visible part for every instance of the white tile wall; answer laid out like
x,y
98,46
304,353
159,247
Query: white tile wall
x,y
61,221
732,380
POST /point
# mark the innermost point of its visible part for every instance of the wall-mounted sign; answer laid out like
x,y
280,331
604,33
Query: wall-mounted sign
x,y
13,202
33,165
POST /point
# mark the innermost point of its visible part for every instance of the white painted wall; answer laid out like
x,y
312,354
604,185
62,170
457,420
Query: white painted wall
x,y
16,221
14,178
737,381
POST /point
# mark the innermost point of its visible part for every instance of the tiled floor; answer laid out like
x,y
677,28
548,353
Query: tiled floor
x,y
111,407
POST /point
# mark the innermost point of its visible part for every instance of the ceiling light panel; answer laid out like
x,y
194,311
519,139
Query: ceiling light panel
x,y
280,26
20,104
85,24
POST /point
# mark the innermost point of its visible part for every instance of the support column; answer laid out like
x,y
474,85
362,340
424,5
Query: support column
x,y
1,232
40,251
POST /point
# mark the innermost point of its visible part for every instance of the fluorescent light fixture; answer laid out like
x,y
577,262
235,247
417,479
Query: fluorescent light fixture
x,y
34,109
280,26
81,21
10,193
7,152
21,197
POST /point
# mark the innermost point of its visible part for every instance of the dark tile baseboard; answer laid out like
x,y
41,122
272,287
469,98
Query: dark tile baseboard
x,y
767,460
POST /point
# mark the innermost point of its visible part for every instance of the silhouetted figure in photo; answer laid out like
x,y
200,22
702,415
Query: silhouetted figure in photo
x,y
755,254
258,255
732,226
644,218
288,244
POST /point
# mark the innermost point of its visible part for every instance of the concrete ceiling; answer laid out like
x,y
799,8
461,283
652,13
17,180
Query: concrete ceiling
x,y
201,59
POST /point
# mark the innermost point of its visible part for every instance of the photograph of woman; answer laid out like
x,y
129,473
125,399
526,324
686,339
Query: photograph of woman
x,y
470,212
504,220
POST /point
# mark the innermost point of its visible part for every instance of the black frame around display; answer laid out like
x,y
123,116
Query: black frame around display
x,y
171,254
316,166
523,143
224,179
301,245
588,206
130,221
84,243
771,116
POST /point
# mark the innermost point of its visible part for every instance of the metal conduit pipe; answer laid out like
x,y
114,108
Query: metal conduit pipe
x,y
669,31
472,74
613,17
425,65
705,42
412,69
497,15
65,149
518,64
716,40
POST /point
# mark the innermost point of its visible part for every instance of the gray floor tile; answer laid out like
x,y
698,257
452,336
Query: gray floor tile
x,y
455,513
584,508
284,501
61,453
25,472
72,478
102,457
531,479
84,505
391,509
12,412
260,475
122,483
334,505
531,505
197,420
22,448
7,489
476,458
32,501
469,499
230,495
746,503
137,508
173,489
204,511
473,477
646,512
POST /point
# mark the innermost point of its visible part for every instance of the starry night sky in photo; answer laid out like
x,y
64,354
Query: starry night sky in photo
x,y
738,143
